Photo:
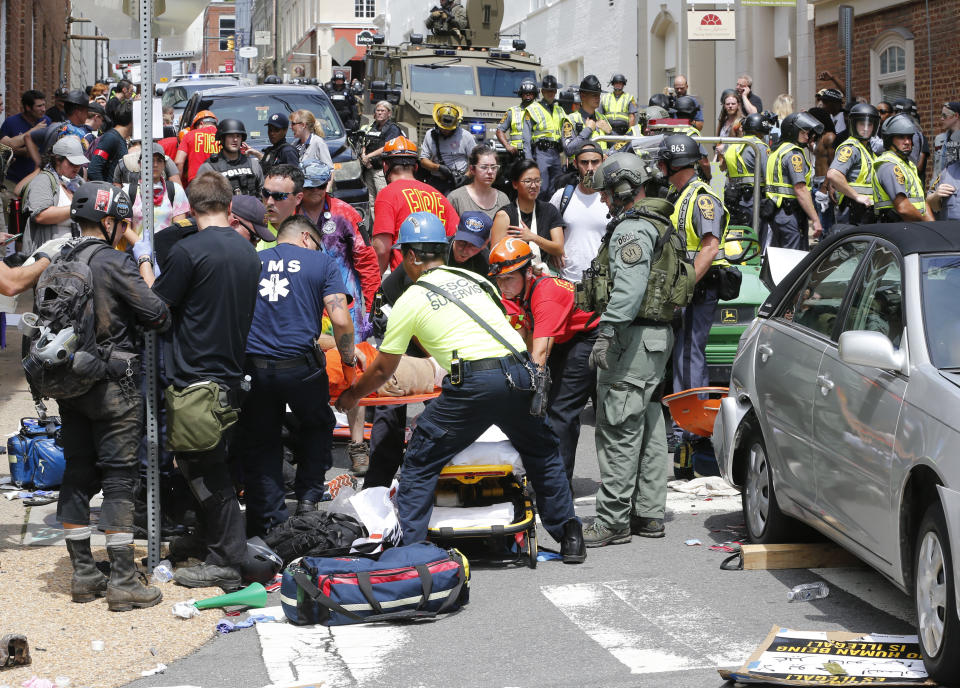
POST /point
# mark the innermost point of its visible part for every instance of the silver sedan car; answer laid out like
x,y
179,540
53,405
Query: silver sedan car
x,y
844,413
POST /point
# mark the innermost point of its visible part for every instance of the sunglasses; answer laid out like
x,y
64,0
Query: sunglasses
x,y
948,114
884,112
315,242
253,236
276,195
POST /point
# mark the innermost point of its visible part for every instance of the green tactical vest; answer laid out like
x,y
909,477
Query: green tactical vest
x,y
672,277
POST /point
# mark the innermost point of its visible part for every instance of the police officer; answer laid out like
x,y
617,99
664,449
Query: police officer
x,y
587,122
897,186
851,172
788,183
542,122
243,171
662,100
562,338
102,425
446,148
454,314
686,108
619,106
280,151
510,129
700,217
632,349
343,101
376,135
450,18
741,162
298,282
649,114
946,145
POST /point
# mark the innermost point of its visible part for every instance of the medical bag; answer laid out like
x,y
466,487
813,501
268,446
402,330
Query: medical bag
x,y
35,445
406,582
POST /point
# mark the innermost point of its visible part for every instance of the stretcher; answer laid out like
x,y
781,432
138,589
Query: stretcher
x,y
693,413
342,432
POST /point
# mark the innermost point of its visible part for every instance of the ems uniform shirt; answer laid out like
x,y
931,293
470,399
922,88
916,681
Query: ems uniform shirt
x,y
586,223
452,151
199,145
293,283
553,311
442,327
402,197
15,125
210,281
949,206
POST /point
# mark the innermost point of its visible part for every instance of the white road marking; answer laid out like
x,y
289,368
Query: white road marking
x,y
648,625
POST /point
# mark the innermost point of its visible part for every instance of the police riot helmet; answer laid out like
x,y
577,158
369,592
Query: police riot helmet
x,y
795,122
679,151
260,564
686,107
590,84
757,125
339,76
509,255
622,175
906,105
421,228
899,125
94,201
231,126
864,112
660,100
549,83
527,87
618,79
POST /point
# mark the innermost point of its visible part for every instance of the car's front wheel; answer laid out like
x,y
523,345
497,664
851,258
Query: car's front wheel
x,y
766,524
934,596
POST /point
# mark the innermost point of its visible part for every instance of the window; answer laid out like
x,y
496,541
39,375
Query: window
x,y
939,285
227,30
891,66
502,83
447,80
878,302
819,297
363,9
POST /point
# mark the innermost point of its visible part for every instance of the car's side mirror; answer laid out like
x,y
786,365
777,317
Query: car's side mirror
x,y
866,348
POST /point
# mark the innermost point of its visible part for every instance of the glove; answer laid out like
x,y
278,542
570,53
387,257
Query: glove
x,y
48,250
445,172
142,248
349,372
822,200
598,357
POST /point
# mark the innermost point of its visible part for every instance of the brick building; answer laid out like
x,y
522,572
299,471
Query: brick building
x,y
891,58
219,38
31,39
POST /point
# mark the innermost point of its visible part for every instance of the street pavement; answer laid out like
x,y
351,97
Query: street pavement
x,y
655,613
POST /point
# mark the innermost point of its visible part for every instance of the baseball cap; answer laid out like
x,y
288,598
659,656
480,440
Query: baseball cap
x,y
315,173
251,209
588,147
474,228
278,120
96,108
70,148
830,94
953,105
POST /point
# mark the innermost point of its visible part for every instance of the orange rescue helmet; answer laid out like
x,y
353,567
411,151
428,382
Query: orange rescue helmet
x,y
509,255
200,116
399,147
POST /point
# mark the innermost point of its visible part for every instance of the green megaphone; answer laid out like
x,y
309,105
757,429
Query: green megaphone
x,y
254,595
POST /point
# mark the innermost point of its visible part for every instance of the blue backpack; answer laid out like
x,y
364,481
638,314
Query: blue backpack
x,y
35,457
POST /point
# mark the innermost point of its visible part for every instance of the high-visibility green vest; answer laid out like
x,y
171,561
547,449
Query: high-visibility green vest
x,y
515,135
863,183
576,119
737,170
546,125
682,218
616,109
911,180
778,188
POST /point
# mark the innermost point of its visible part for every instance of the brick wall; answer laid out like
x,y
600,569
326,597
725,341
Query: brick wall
x,y
944,44
213,57
49,29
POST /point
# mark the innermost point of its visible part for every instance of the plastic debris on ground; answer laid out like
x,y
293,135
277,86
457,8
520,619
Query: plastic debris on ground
x,y
549,556
729,546
185,609
96,645
162,572
815,658
226,626
274,584
710,486
692,542
159,669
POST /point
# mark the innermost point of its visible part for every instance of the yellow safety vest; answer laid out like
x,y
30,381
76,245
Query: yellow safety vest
x,y
635,130
616,109
546,125
737,170
576,119
682,218
864,180
911,180
515,135
778,188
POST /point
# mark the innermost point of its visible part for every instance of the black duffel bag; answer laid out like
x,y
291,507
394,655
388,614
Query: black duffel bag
x,y
315,534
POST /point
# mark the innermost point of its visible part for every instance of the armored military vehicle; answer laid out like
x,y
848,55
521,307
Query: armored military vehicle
x,y
471,71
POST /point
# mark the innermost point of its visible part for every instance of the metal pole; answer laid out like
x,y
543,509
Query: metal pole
x,y
757,146
845,24
146,192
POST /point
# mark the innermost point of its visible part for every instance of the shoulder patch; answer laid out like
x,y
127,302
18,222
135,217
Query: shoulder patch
x,y
504,118
900,176
631,253
567,129
707,207
796,161
844,153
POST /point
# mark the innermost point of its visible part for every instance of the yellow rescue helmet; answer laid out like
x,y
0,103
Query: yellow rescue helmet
x,y
447,116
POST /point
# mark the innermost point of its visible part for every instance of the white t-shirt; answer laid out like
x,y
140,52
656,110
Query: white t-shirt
x,y
586,219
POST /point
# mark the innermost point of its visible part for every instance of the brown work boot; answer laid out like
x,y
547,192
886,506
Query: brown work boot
x,y
359,454
87,583
125,589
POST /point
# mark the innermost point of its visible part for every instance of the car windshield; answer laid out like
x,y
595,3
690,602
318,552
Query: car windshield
x,y
452,80
176,95
940,284
502,83
255,110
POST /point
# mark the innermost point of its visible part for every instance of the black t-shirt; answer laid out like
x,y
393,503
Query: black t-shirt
x,y
210,282
548,217
104,158
164,241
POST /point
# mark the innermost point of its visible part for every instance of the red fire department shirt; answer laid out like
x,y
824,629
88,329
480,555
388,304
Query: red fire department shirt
x,y
198,144
553,312
402,197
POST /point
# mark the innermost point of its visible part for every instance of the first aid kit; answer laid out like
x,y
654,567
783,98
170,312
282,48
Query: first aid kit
x,y
34,455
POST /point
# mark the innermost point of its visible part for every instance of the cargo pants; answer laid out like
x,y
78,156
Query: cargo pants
x,y
631,432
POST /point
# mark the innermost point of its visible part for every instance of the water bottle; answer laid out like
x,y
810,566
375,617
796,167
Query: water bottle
x,y
163,572
808,592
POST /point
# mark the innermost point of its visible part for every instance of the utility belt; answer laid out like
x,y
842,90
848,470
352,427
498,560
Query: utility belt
x,y
547,145
648,322
460,368
790,206
303,360
859,213
888,215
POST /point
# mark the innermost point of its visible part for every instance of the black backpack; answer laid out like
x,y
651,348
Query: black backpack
x,y
64,359
315,534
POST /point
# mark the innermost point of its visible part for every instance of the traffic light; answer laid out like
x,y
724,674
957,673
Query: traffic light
x,y
230,42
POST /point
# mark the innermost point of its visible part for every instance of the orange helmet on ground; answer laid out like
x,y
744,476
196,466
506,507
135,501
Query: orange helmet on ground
x,y
399,147
202,115
509,255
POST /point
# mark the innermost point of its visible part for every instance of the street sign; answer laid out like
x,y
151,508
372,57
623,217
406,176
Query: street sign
x,y
365,38
261,38
713,25
228,66
248,51
342,51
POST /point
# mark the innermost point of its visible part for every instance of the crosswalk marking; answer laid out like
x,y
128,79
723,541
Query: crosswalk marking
x,y
648,625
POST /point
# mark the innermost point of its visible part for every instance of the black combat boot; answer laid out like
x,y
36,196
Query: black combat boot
x,y
87,583
125,591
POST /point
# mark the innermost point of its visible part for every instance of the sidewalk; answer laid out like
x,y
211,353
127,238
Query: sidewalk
x,y
35,586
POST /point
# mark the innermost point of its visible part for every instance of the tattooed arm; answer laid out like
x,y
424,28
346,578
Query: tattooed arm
x,y
339,312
